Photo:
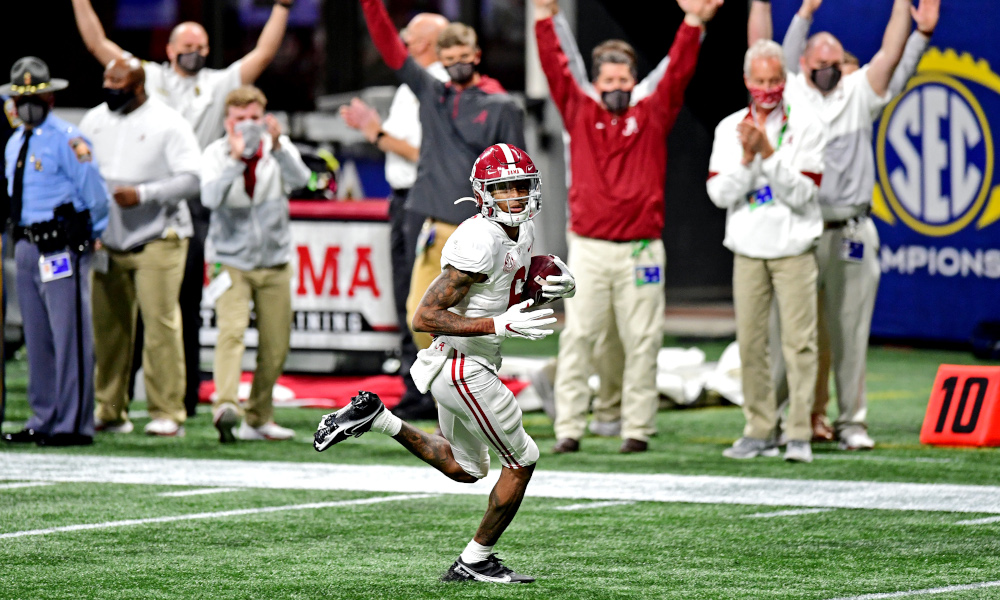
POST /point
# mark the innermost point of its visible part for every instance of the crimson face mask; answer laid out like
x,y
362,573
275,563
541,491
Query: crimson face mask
x,y
765,98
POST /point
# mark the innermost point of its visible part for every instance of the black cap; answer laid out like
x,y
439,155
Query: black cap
x,y
30,76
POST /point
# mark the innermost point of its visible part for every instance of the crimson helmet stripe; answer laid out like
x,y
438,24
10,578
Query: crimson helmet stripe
x,y
508,156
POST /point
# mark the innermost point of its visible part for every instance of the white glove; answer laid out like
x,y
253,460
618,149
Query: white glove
x,y
559,286
516,323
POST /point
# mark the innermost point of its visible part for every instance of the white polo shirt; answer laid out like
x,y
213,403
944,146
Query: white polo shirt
x,y
200,99
151,143
403,122
847,114
772,208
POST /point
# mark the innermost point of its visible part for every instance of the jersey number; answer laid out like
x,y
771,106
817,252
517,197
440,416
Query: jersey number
x,y
517,286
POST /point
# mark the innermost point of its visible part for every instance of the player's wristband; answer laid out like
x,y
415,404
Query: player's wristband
x,y
287,5
378,136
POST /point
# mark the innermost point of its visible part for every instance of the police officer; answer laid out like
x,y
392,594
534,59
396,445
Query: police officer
x,y
58,204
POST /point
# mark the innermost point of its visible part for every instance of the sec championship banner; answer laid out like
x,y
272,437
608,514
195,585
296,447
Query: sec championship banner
x,y
936,201
341,289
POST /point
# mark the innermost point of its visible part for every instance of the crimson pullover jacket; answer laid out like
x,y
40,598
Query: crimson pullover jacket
x,y
457,125
619,162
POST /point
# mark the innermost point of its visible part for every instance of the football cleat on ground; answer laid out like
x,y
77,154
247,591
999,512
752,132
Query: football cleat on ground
x,y
224,419
492,570
352,420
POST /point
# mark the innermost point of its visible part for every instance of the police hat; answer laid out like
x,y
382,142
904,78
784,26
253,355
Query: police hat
x,y
30,76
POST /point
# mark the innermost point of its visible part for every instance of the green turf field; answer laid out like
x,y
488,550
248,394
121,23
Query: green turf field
x,y
335,543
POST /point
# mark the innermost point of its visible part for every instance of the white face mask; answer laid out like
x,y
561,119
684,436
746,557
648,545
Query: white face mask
x,y
253,133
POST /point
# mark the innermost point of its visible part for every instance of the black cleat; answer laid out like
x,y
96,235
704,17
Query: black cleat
x,y
354,419
492,570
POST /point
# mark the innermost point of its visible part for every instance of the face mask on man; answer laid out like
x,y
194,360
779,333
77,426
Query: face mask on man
x,y
32,110
253,133
461,72
616,100
826,78
118,99
767,98
192,62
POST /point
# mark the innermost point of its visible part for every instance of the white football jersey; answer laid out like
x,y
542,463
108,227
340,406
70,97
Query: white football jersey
x,y
482,246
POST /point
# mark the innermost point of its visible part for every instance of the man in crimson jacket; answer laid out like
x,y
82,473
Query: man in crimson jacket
x,y
460,119
619,163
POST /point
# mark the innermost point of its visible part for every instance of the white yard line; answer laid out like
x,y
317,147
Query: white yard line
x,y
788,513
23,484
588,505
199,492
212,515
984,521
703,489
927,592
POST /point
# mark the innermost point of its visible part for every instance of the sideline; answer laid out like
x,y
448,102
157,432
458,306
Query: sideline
x,y
703,489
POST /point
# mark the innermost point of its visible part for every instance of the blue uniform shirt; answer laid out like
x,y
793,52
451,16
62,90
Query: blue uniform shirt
x,y
54,175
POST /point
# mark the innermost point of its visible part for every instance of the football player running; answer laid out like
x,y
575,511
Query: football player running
x,y
472,305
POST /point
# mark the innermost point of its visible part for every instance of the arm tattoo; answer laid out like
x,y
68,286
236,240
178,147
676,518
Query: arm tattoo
x,y
450,287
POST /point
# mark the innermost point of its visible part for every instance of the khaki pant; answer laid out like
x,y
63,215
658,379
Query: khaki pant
x,y
426,268
270,291
849,290
792,282
605,275
150,281
609,364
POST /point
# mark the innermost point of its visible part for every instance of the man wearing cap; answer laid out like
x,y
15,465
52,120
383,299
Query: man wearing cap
x,y
150,158
58,204
199,94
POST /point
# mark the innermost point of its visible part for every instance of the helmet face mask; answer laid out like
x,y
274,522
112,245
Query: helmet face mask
x,y
507,171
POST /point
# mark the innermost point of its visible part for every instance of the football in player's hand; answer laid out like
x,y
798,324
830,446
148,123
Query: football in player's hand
x,y
541,267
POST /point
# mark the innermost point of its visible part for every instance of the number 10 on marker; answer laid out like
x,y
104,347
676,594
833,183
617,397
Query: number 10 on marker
x,y
964,407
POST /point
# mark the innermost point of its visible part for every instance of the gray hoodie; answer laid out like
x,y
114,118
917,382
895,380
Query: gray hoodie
x,y
250,233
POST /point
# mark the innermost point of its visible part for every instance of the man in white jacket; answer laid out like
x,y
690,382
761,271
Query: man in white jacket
x,y
765,170
246,179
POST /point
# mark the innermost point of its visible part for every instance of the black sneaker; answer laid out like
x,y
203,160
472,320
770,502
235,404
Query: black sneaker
x,y
354,419
492,569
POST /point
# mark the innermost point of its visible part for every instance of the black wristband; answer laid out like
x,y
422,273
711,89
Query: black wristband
x,y
287,5
378,136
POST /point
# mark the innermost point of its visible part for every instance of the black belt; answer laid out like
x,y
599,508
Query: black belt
x,y
401,191
828,225
47,235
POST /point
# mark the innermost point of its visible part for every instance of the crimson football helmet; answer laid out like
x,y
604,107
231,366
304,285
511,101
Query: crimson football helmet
x,y
506,167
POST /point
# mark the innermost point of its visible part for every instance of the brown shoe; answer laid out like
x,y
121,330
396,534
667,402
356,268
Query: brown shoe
x,y
630,446
565,446
822,431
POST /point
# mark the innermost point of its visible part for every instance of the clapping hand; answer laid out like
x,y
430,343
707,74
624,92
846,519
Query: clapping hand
x,y
274,129
362,117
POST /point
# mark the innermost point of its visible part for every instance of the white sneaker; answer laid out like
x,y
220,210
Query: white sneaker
x,y
798,451
605,428
268,431
856,440
164,427
112,427
746,447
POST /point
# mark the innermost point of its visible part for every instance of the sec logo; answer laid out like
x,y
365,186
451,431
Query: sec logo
x,y
935,151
